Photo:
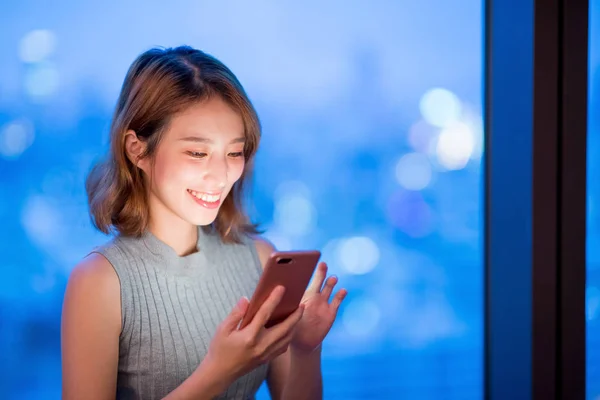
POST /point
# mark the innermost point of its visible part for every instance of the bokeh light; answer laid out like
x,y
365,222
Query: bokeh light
x,y
440,107
42,221
361,317
295,215
357,255
408,211
422,135
15,138
41,81
413,171
37,45
455,146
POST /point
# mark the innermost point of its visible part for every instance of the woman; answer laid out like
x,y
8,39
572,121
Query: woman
x,y
154,313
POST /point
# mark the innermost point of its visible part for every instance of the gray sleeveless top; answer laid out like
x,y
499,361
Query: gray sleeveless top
x,y
171,307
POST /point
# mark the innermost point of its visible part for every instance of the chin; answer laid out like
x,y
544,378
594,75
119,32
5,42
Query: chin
x,y
200,214
203,219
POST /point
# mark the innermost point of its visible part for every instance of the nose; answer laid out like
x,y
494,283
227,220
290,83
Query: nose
x,y
216,174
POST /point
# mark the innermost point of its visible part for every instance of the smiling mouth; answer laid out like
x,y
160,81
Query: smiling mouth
x,y
208,200
208,197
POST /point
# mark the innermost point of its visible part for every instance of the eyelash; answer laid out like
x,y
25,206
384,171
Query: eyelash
x,y
196,154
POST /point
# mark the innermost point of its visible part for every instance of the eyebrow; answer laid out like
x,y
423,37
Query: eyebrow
x,y
198,139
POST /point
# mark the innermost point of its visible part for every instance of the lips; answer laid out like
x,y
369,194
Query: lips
x,y
208,197
208,200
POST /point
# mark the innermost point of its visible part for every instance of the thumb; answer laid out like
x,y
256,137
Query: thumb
x,y
236,315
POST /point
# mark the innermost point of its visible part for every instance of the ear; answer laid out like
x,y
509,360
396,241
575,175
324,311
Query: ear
x,y
135,148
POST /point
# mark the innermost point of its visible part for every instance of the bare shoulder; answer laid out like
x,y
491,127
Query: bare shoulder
x,y
94,289
264,249
91,326
94,273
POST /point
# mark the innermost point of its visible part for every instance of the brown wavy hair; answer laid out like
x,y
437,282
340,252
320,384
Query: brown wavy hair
x,y
160,84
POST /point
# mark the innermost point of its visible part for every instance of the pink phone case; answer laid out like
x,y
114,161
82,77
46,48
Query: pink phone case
x,y
291,269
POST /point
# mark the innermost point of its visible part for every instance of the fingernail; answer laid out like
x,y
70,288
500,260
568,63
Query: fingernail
x,y
242,301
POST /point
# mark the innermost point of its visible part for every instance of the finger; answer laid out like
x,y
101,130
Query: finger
x,y
329,285
284,328
317,282
338,298
235,316
266,310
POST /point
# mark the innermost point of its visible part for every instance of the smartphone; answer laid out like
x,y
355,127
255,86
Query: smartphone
x,y
291,269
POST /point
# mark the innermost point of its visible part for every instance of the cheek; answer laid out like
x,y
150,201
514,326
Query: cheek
x,y
171,171
188,173
235,171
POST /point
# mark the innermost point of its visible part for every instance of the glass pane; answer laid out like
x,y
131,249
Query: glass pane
x,y
371,152
593,211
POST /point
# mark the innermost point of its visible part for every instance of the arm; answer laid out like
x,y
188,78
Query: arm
x,y
91,325
294,374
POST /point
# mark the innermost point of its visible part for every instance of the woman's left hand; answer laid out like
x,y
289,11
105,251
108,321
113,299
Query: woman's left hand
x,y
319,313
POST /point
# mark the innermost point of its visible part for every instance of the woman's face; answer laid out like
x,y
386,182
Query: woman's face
x,y
199,158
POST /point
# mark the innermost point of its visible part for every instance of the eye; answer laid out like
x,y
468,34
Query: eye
x,y
196,154
236,154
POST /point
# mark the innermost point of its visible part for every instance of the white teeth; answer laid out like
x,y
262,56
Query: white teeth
x,y
209,198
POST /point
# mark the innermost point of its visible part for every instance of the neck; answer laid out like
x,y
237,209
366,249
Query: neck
x,y
178,234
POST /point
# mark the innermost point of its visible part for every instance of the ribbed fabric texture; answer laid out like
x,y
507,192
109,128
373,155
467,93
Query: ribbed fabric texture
x,y
171,307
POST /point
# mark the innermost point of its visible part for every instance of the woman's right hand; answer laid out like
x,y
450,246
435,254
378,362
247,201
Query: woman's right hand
x,y
234,352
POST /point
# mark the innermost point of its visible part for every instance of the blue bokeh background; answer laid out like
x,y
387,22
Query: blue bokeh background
x,y
371,152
